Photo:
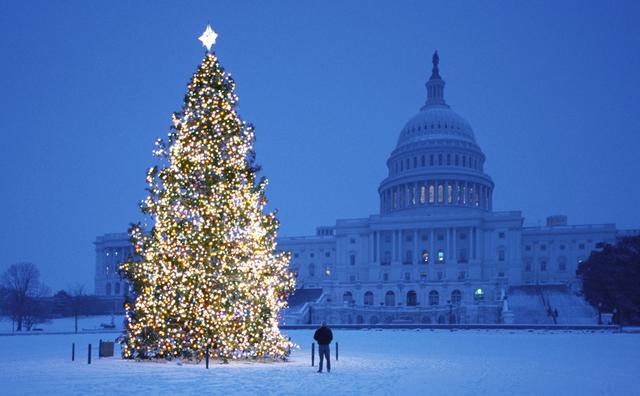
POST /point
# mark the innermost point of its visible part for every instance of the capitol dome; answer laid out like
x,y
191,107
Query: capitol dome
x,y
437,163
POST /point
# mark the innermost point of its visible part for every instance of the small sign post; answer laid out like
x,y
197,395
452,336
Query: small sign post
x,y
313,353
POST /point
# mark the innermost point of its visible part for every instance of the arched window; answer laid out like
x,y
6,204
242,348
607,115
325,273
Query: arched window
x,y
425,256
108,289
412,298
347,297
440,193
423,194
456,297
312,269
431,193
116,288
390,299
368,298
434,298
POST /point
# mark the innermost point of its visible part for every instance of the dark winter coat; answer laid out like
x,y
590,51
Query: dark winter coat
x,y
323,336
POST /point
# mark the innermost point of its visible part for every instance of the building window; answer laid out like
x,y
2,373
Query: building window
x,y
116,288
423,276
456,297
296,255
581,246
425,256
562,263
387,258
462,255
431,160
457,162
440,193
527,266
108,289
440,237
458,195
501,255
422,161
448,159
501,274
327,254
412,298
543,265
449,193
395,199
527,248
408,258
561,247
462,275
347,297
441,256
440,275
312,269
352,278
352,240
327,271
439,159
385,277
368,298
431,193
463,236
352,259
434,297
423,194
390,299
478,295
543,247
501,235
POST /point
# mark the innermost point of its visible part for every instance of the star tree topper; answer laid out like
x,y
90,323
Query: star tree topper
x,y
208,38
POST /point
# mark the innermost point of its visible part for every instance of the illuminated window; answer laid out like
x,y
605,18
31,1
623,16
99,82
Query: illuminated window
x,y
464,195
478,295
425,256
449,193
423,194
434,297
441,256
440,193
327,271
431,193
470,196
458,195
413,195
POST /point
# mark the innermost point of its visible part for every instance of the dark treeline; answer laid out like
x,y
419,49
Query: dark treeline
x,y
28,302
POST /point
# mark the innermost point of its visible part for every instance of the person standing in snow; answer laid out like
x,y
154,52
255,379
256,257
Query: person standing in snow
x,y
323,337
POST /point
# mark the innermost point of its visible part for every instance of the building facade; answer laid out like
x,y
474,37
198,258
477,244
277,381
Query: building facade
x,y
436,252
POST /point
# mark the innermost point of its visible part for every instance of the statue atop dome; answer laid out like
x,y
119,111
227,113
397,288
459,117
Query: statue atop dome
x,y
435,72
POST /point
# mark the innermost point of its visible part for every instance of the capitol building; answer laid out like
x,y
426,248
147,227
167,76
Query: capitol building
x,y
436,252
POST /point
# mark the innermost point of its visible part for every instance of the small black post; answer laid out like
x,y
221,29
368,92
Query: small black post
x,y
206,358
89,355
73,351
336,351
99,348
313,352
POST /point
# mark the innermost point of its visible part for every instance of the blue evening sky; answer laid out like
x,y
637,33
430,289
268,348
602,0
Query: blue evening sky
x,y
551,89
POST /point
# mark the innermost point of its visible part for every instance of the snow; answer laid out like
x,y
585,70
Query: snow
x,y
374,362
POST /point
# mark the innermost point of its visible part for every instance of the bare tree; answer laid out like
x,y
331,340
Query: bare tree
x,y
36,308
22,284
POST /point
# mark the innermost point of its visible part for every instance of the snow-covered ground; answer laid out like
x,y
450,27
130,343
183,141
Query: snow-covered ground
x,y
372,362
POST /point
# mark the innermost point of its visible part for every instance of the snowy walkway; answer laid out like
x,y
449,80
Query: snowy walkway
x,y
376,362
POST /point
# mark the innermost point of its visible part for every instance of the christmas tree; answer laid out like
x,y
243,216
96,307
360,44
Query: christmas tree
x,y
208,277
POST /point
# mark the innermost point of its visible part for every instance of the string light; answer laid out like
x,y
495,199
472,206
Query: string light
x,y
208,275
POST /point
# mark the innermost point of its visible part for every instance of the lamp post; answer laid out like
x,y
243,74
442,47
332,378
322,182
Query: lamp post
x,y
599,313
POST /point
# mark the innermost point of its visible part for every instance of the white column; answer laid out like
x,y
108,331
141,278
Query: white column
x,y
378,249
455,256
415,246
